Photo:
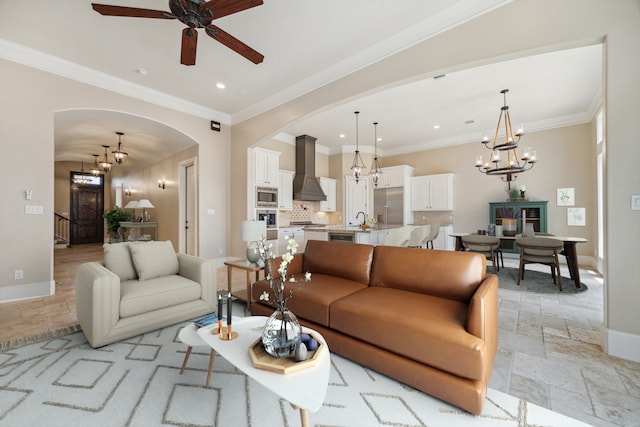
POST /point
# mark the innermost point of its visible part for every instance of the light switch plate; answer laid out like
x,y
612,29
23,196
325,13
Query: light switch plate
x,y
635,202
33,210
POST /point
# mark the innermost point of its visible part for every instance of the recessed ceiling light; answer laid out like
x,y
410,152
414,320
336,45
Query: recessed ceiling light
x,y
220,85
342,135
379,139
436,126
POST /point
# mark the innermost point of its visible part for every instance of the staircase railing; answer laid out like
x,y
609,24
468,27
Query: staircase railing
x,y
61,226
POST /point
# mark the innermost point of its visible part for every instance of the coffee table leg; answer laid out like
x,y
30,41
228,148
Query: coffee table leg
x,y
212,356
186,359
304,415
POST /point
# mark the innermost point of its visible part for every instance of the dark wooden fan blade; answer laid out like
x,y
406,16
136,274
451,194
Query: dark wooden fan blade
x,y
234,44
189,45
221,8
134,12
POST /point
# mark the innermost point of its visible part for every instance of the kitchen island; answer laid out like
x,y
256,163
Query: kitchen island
x,y
348,234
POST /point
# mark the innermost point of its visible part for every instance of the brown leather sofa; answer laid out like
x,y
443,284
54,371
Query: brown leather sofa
x,y
427,318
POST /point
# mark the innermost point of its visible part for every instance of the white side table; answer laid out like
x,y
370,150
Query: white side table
x,y
189,336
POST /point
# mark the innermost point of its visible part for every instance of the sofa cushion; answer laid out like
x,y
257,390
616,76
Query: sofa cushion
x,y
117,259
421,327
446,274
167,291
351,262
154,259
314,298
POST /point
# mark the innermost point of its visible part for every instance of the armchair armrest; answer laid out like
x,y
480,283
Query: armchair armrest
x,y
482,316
202,271
97,301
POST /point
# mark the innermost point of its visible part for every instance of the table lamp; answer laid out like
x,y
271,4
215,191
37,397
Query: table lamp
x,y
145,204
251,232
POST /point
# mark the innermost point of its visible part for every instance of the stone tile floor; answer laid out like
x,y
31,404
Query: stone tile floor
x,y
549,353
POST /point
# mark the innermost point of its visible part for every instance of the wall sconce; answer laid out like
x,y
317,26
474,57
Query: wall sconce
x,y
127,192
161,183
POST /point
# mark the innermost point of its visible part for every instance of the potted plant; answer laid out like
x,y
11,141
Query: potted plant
x,y
113,218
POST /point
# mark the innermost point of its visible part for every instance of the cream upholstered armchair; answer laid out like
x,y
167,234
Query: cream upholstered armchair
x,y
140,287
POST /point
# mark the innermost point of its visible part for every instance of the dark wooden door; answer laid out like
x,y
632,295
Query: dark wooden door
x,y
87,206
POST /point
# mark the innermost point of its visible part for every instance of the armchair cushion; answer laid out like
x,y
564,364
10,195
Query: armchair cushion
x,y
154,259
117,259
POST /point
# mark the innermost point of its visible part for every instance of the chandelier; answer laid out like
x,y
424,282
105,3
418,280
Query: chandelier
x,y
95,170
358,165
504,160
376,170
120,156
105,164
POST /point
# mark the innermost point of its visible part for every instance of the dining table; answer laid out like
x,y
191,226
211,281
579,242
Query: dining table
x,y
569,249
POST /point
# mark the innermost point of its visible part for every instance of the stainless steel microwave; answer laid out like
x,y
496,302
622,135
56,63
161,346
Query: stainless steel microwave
x,y
266,197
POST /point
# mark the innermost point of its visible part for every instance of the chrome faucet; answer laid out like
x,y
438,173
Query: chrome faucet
x,y
364,216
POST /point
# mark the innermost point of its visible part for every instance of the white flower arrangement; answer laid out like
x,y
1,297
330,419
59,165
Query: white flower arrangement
x,y
278,287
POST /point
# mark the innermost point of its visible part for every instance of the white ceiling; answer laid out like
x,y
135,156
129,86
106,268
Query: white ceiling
x,y
306,44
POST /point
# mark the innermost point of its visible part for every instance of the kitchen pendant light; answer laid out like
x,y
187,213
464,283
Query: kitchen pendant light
x,y
376,170
120,156
358,165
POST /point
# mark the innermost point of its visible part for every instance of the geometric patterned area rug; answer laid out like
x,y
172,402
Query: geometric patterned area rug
x,y
136,382
535,281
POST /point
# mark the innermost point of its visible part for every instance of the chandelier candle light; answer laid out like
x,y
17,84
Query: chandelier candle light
x,y
504,160
358,165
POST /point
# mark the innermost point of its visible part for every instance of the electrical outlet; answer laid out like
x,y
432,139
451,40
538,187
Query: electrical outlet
x,y
18,274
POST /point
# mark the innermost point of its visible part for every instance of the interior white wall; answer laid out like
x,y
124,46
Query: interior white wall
x,y
29,100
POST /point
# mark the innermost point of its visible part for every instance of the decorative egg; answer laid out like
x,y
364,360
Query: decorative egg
x,y
301,353
312,344
305,337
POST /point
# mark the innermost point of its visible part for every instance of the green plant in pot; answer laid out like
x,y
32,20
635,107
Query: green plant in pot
x,y
114,217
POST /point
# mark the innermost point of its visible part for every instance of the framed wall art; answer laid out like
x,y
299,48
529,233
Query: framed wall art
x,y
576,217
565,197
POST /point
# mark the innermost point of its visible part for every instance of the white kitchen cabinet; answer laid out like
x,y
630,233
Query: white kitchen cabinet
x,y
266,167
329,188
364,238
395,176
432,192
357,199
313,235
285,190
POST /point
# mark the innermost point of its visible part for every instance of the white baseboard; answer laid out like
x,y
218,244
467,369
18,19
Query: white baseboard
x,y
621,344
26,291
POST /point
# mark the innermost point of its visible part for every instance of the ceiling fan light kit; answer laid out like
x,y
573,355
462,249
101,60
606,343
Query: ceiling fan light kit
x,y
194,14
504,160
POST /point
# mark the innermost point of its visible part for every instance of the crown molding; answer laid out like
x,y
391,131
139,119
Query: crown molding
x,y
52,64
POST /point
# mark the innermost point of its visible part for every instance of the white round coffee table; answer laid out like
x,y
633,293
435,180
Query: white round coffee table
x,y
189,336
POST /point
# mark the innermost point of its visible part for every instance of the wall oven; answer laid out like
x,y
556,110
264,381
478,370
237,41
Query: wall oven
x,y
266,197
270,217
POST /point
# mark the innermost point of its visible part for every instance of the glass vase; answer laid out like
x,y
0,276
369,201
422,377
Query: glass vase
x,y
281,333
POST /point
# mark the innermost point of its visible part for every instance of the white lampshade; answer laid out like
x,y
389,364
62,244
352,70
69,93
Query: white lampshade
x,y
132,204
252,231
144,203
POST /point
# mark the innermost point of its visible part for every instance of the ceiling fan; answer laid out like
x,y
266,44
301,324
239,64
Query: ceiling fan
x,y
194,14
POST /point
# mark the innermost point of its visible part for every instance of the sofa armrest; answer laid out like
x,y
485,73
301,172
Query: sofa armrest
x,y
97,301
202,271
482,317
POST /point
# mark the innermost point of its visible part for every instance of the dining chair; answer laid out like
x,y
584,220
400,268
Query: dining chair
x,y
398,236
540,250
419,236
433,235
486,245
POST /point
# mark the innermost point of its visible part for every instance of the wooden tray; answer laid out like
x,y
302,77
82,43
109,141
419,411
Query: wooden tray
x,y
263,360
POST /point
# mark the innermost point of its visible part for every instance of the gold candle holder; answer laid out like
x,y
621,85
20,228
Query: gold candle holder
x,y
227,334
